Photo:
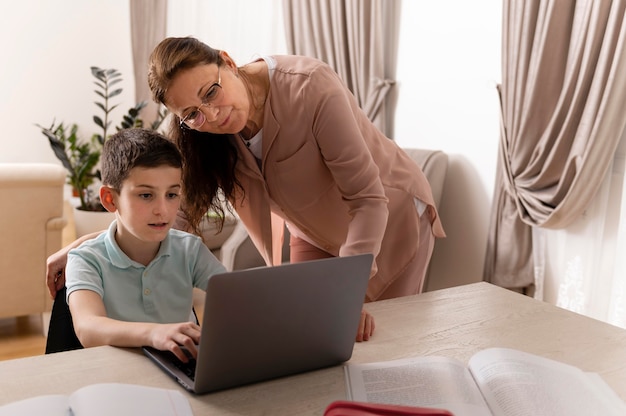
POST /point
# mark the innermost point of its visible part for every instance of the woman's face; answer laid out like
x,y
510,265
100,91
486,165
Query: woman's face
x,y
226,114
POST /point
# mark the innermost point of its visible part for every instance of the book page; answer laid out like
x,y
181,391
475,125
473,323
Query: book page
x,y
49,405
516,383
117,399
435,382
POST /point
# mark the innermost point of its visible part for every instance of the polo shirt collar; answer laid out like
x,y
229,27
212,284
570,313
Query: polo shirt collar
x,y
119,259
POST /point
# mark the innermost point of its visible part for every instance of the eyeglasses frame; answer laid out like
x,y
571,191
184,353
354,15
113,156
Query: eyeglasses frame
x,y
183,120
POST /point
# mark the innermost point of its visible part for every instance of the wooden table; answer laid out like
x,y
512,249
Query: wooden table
x,y
455,322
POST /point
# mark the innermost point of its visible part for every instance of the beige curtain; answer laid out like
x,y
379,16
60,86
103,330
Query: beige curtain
x,y
148,20
358,39
563,101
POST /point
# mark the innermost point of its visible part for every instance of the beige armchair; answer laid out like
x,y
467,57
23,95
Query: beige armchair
x,y
31,221
238,251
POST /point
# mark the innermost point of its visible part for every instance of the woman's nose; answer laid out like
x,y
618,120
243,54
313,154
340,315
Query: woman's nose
x,y
210,112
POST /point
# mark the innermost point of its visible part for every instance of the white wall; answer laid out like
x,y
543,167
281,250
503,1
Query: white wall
x,y
47,48
448,66
449,62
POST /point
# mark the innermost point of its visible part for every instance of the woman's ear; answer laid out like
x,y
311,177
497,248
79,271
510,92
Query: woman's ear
x,y
107,198
228,61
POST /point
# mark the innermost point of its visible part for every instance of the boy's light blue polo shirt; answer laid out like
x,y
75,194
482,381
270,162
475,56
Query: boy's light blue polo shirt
x,y
160,292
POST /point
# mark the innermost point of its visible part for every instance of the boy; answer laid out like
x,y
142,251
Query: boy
x,y
132,285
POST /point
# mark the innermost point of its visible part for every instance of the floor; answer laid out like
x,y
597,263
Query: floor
x,y
21,337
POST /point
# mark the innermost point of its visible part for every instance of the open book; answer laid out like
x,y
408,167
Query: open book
x,y
104,399
497,381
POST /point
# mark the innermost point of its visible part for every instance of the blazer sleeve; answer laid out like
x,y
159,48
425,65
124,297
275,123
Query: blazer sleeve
x,y
338,127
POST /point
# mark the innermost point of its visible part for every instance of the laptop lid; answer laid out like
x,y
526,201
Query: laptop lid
x,y
269,322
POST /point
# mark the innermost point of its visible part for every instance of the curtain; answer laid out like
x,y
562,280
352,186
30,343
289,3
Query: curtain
x,y
243,28
562,101
616,310
585,269
148,20
358,39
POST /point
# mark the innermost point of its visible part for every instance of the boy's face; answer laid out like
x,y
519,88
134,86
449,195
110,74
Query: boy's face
x,y
148,202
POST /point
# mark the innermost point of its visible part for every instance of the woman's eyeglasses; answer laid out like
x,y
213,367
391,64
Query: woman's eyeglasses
x,y
196,118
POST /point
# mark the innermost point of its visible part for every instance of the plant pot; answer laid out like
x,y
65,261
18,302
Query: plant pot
x,y
87,222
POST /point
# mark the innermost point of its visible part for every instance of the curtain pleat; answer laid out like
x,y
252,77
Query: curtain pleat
x,y
148,21
562,100
358,39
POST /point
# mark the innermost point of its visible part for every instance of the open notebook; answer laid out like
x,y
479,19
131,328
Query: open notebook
x,y
269,322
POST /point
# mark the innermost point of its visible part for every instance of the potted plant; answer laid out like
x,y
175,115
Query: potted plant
x,y
81,157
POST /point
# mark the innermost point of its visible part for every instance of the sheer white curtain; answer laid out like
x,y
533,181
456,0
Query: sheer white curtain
x,y
584,265
243,28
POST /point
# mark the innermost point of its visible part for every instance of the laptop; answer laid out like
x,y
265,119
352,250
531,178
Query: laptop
x,y
268,322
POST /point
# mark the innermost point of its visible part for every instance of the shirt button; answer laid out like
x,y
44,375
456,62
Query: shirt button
x,y
146,292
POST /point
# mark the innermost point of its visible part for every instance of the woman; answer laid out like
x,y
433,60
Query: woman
x,y
283,139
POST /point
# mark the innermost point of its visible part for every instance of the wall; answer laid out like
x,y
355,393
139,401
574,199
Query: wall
x,y
448,67
47,48
449,62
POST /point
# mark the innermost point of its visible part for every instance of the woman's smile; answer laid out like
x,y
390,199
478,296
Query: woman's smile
x,y
225,121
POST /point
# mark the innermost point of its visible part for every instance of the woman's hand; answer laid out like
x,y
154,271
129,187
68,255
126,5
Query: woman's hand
x,y
366,327
55,271
55,264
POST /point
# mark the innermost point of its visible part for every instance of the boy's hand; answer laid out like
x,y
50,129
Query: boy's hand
x,y
171,337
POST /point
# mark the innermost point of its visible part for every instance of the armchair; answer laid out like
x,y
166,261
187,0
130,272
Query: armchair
x,y
31,222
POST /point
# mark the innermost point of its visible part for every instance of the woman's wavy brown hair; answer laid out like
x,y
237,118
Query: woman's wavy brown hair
x,y
208,159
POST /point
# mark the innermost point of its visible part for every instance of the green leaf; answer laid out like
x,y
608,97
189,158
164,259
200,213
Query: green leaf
x,y
115,93
98,121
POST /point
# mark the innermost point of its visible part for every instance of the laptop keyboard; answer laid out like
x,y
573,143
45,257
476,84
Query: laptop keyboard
x,y
189,368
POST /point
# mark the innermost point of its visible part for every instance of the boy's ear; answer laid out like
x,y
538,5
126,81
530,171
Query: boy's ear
x,y
107,198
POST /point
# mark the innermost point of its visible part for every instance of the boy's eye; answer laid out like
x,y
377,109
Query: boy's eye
x,y
172,195
145,196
